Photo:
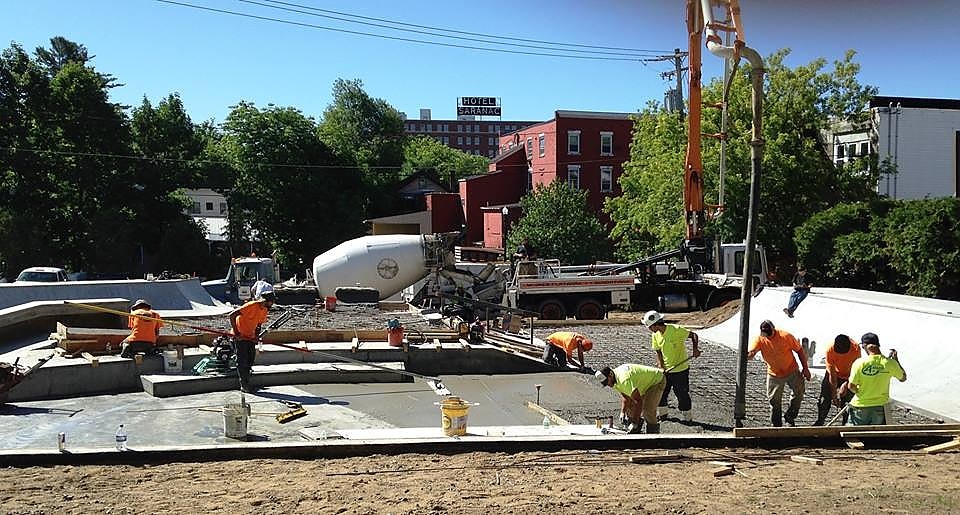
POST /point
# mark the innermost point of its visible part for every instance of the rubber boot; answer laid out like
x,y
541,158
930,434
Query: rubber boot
x,y
653,429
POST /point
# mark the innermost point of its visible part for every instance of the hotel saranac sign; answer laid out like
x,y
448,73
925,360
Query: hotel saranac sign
x,y
478,106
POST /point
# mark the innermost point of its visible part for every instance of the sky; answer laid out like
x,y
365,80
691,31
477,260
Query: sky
x,y
215,59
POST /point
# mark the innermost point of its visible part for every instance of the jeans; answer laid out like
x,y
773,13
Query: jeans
x,y
775,387
246,353
130,348
680,383
796,298
826,401
553,355
869,416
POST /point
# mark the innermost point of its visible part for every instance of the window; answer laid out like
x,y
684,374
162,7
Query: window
x,y
223,208
573,176
852,150
490,142
606,143
529,179
864,149
573,142
446,140
459,128
476,140
208,206
195,207
476,128
529,148
468,126
459,140
606,179
490,153
542,144
840,151
429,127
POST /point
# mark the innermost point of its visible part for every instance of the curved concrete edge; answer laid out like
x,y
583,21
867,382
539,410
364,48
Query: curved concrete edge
x,y
354,448
922,330
167,295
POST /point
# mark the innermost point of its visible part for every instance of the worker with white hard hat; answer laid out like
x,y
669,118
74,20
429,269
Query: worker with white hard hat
x,y
669,341
144,324
640,388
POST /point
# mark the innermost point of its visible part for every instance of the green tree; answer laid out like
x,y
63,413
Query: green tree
x,y
289,190
798,177
558,224
367,133
923,242
445,164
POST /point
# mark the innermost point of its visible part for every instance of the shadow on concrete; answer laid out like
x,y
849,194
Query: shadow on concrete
x,y
703,425
11,409
301,399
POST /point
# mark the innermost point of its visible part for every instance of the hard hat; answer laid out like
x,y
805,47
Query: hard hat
x,y
140,302
598,379
651,317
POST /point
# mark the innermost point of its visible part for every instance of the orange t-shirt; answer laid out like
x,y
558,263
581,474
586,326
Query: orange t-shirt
x,y
142,330
777,350
839,364
252,314
567,341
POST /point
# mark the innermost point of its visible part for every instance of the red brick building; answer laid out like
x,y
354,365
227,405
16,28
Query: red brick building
x,y
585,149
476,137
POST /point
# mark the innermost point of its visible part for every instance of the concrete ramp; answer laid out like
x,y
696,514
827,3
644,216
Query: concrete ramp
x,y
924,332
171,298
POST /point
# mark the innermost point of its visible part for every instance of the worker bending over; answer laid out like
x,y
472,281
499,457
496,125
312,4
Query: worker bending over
x,y
777,348
640,388
246,322
144,324
870,382
833,387
561,345
670,343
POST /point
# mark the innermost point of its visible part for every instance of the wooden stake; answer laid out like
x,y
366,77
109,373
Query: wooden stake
x,y
949,446
94,361
722,471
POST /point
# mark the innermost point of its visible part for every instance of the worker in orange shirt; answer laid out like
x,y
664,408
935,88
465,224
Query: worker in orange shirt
x,y
561,346
833,387
246,322
777,348
144,324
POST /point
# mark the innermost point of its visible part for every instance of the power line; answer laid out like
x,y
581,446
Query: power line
x,y
630,53
636,50
228,163
393,38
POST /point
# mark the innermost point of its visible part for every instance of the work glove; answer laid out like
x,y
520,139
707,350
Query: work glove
x,y
624,419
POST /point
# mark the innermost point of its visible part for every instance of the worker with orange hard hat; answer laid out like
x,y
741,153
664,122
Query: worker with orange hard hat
x,y
561,346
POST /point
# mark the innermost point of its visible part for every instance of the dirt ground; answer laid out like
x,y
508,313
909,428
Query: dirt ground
x,y
563,482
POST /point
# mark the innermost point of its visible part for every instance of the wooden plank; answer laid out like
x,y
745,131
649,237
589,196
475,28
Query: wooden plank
x,y
829,431
722,463
659,458
943,447
722,471
899,434
555,419
806,459
436,344
464,344
94,361
853,443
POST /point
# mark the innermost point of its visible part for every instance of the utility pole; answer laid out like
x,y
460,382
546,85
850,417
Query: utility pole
x,y
677,57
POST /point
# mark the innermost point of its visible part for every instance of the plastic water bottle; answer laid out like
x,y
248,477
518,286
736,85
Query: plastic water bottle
x,y
546,421
121,438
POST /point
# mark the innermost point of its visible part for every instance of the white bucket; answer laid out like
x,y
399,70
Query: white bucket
x,y
235,420
172,361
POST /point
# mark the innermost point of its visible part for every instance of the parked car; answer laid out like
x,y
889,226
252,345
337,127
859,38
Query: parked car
x,y
42,274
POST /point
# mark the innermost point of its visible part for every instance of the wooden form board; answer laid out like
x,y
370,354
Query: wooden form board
x,y
831,431
555,419
899,434
943,447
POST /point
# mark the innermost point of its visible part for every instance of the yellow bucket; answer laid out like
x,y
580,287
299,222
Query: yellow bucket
x,y
453,416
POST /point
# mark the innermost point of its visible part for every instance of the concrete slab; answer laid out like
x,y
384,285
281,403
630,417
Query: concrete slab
x,y
172,298
274,375
922,330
